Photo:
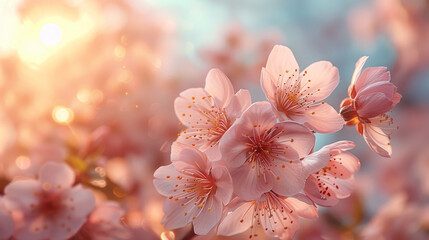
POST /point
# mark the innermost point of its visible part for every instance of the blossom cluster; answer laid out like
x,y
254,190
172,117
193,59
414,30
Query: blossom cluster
x,y
239,167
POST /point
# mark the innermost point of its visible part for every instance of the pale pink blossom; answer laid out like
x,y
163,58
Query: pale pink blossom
x,y
209,112
264,155
277,215
104,223
6,222
49,207
371,96
335,181
399,218
297,96
196,187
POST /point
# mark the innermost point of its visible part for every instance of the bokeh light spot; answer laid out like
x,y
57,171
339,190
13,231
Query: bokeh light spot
x,y
62,115
50,34
23,162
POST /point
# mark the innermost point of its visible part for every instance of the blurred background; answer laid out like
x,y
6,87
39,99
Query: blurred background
x,y
92,83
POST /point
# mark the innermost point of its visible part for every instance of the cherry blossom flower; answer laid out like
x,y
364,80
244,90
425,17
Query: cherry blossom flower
x,y
48,207
209,112
6,222
196,187
104,223
264,155
371,95
297,96
277,215
335,181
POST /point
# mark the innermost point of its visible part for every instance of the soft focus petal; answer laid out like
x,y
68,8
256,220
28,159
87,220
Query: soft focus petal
x,y
303,206
377,140
319,80
356,73
223,179
57,175
219,86
165,179
238,218
372,75
282,64
297,137
323,118
208,218
248,184
268,85
373,104
240,102
289,178
19,195
185,157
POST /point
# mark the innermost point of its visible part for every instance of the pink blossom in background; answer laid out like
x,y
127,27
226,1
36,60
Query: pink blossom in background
x,y
209,112
277,215
6,222
196,187
371,97
104,223
298,96
335,181
264,155
49,207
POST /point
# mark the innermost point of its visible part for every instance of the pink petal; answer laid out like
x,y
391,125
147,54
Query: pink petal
x,y
282,64
233,146
166,180
370,76
268,85
344,164
345,187
57,175
19,195
356,73
188,106
208,218
323,118
259,113
289,178
317,160
302,205
223,183
238,218
107,211
377,140
396,98
386,88
35,227
319,80
240,102
247,185
186,157
175,216
313,192
80,202
219,86
296,137
373,104
277,223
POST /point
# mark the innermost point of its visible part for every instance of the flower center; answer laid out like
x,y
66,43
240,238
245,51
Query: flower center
x,y
50,204
348,112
